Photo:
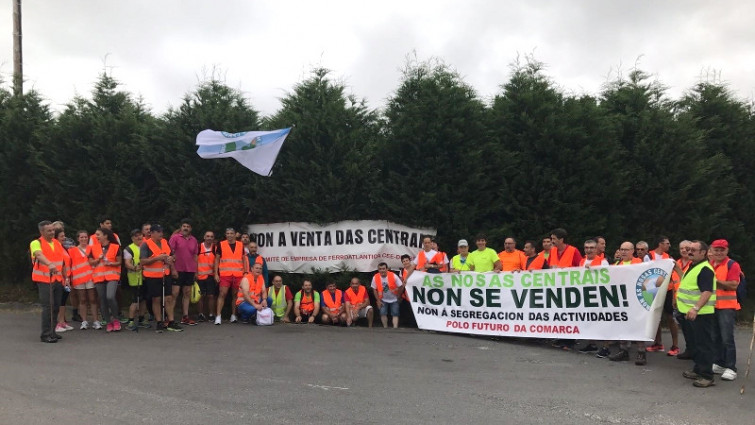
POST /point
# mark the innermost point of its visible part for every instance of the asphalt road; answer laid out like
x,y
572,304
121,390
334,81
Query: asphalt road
x,y
234,374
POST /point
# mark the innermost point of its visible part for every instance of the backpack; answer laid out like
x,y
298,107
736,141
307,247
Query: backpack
x,y
742,287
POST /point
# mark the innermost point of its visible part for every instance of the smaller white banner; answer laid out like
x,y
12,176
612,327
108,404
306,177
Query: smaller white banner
x,y
297,247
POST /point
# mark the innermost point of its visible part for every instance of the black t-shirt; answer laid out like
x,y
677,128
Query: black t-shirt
x,y
234,247
705,279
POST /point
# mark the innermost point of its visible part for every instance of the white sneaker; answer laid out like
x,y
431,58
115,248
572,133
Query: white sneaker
x,y
729,375
718,369
234,319
96,325
84,325
217,320
68,327
60,328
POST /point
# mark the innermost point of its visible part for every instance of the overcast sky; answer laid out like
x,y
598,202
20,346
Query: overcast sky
x,y
161,49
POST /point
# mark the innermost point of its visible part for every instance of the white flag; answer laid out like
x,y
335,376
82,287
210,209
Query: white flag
x,y
255,150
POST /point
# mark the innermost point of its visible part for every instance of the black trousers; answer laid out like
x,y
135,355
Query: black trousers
x,y
49,312
704,329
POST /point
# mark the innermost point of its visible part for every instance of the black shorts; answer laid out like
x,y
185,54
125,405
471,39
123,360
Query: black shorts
x,y
140,290
185,279
154,286
208,287
667,305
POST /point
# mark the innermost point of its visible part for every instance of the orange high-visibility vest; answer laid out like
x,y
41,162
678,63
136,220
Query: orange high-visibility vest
x,y
81,270
357,298
595,261
391,284
675,278
231,263
537,264
566,258
41,273
101,272
157,269
307,302
725,299
404,273
654,256
635,260
332,304
256,286
205,262
437,259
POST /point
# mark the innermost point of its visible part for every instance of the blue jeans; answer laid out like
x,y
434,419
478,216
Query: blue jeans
x,y
726,351
247,311
394,307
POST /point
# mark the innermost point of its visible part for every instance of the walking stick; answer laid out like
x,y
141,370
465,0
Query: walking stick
x,y
52,316
138,300
749,358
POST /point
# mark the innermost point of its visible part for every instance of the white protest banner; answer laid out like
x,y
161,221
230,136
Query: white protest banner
x,y
599,303
346,245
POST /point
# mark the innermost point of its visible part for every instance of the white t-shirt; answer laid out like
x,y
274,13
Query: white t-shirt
x,y
388,295
428,257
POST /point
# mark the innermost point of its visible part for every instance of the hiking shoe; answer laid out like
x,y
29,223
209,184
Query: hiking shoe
x,y
656,347
234,319
116,326
59,328
109,327
187,321
684,356
603,353
174,327
160,327
131,325
703,382
716,369
673,351
589,348
641,359
144,324
729,375
97,325
201,318
690,374
217,320
84,325
76,318
619,356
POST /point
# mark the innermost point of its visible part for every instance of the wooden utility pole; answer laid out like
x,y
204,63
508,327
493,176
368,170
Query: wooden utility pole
x,y
18,68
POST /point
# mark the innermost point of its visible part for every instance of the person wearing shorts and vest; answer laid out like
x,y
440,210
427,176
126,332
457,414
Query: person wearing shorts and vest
x,y
306,303
230,265
332,305
208,288
281,299
388,289
357,303
157,267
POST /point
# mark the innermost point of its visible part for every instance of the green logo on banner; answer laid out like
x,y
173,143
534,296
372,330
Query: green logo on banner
x,y
647,286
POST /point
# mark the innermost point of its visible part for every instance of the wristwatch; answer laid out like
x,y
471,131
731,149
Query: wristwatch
x,y
696,308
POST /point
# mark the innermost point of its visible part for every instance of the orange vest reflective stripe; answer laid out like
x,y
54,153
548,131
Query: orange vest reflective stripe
x,y
205,262
81,270
379,284
306,302
231,263
41,273
101,272
332,304
256,286
675,278
157,269
437,259
595,261
356,298
635,260
725,299
654,256
566,258
537,263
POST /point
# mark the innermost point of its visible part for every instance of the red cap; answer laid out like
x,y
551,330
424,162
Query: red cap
x,y
719,243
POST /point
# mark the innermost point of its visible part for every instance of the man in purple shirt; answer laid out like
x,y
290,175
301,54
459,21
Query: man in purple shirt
x,y
184,246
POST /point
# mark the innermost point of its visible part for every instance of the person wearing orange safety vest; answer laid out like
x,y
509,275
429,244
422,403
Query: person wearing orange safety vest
x,y
48,273
681,267
254,257
533,260
626,258
512,259
81,280
106,258
208,288
306,303
562,255
661,253
592,259
357,303
252,295
728,277
388,289
430,260
157,262
231,263
332,303
62,325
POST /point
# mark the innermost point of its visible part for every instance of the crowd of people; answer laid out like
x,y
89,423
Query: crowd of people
x,y
701,298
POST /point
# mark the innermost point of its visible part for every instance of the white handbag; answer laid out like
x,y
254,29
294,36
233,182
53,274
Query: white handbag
x,y
265,317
